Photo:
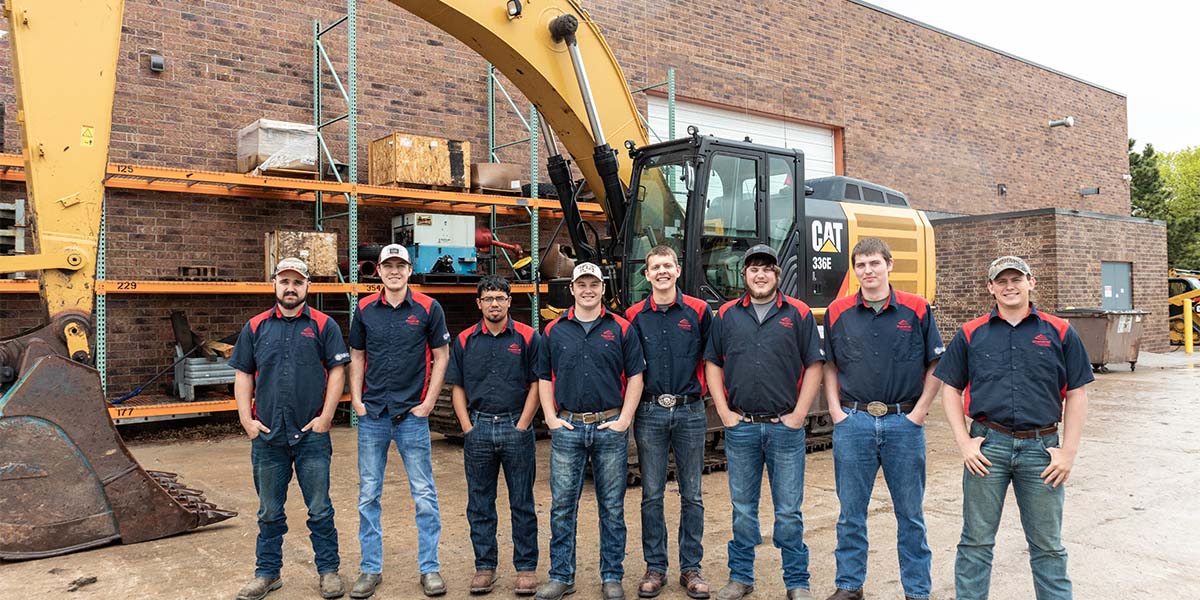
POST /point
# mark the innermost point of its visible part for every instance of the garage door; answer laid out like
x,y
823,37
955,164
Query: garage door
x,y
817,142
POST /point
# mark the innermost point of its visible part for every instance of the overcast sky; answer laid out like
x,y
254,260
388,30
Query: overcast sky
x,y
1146,50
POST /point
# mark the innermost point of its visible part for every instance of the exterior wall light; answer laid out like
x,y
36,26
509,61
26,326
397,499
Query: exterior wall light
x,y
1092,191
1063,122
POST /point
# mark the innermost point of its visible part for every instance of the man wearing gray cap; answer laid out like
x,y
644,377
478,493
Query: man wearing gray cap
x,y
1026,371
289,364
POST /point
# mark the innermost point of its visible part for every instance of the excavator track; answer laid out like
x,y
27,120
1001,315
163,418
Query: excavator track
x,y
67,481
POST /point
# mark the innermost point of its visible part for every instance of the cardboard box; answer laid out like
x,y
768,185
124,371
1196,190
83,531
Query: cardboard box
x,y
496,177
402,158
317,248
267,144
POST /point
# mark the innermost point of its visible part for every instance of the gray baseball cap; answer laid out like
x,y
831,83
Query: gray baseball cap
x,y
291,264
1005,263
761,250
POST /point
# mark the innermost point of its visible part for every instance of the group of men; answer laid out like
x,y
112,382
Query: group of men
x,y
596,374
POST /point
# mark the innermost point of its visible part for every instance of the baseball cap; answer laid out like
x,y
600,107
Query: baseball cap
x,y
585,269
1008,262
761,250
291,264
394,251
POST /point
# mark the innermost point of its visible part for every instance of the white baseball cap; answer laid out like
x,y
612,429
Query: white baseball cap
x,y
585,269
394,251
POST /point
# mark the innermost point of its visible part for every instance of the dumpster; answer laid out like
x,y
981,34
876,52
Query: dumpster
x,y
1108,335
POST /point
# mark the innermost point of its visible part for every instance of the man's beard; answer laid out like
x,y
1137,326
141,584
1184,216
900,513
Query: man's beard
x,y
491,319
290,302
763,295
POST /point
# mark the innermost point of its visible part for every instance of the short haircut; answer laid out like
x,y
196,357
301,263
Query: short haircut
x,y
760,260
492,283
661,250
868,246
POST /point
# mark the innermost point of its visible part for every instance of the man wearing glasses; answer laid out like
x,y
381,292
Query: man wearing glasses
x,y
495,397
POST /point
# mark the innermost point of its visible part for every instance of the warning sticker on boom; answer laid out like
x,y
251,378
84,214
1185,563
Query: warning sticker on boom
x,y
87,136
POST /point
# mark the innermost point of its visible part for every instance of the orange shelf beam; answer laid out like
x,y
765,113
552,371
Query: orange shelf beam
x,y
113,286
138,410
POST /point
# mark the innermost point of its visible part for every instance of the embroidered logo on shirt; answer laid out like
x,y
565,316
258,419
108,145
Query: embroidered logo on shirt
x,y
903,325
514,348
412,320
308,332
609,335
787,322
1041,340
685,324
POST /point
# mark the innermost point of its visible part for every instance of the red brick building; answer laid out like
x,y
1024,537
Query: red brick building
x,y
941,118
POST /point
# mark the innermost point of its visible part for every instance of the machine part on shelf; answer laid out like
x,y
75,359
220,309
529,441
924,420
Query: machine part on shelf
x,y
70,462
484,242
557,261
367,269
139,389
438,243
523,269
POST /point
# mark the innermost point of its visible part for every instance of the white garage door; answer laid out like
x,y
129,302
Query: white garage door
x,y
817,142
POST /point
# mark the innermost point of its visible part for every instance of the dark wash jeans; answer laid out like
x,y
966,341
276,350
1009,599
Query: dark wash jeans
x,y
494,442
273,464
680,430
570,452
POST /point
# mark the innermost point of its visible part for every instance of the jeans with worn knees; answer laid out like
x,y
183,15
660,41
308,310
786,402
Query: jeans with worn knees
x,y
493,443
1019,462
749,447
411,435
273,464
680,430
570,452
862,444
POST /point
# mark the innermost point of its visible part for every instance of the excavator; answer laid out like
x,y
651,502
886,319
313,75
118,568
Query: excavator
x,y
68,483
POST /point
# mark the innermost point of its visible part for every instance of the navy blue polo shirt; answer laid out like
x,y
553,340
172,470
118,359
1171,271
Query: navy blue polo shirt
x,y
495,370
673,337
1017,376
589,368
289,358
881,357
764,363
398,341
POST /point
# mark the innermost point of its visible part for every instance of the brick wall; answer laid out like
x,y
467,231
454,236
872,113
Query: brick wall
x,y
1064,250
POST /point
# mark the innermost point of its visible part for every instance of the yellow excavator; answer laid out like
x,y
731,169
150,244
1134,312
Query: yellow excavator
x,y
67,481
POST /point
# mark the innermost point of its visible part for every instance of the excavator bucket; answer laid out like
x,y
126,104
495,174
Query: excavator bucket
x,y
67,482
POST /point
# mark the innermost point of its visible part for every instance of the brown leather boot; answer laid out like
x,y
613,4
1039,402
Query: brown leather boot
x,y
526,584
483,581
651,585
841,594
695,584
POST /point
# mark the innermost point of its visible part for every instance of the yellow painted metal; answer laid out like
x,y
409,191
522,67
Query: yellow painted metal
x,y
70,261
1187,325
524,52
77,341
64,57
909,236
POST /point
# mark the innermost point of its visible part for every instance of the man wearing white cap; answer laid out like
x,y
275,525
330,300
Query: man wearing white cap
x,y
591,382
394,334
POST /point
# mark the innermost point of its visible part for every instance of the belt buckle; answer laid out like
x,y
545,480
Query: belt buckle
x,y
590,418
877,409
666,400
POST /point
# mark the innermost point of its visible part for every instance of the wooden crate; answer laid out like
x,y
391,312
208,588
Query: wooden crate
x,y
406,159
318,249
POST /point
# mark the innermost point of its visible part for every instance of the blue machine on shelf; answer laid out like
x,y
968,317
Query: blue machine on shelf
x,y
437,243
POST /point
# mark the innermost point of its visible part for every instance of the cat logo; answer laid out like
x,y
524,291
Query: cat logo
x,y
827,236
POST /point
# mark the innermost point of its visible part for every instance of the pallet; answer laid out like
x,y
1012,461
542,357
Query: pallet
x,y
288,173
461,189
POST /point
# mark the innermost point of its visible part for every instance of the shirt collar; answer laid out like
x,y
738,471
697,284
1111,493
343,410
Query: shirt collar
x,y
481,327
571,313
745,301
890,300
407,297
278,314
995,314
651,306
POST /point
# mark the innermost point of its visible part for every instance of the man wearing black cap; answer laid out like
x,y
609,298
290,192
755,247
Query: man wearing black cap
x,y
1027,372
763,365
290,368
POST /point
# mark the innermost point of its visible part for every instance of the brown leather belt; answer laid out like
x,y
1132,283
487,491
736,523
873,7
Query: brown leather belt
x,y
588,417
1020,435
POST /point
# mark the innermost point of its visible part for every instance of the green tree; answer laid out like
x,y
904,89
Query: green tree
x,y
1146,193
1180,172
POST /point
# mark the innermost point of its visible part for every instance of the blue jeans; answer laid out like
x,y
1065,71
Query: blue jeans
x,y
570,451
492,443
861,445
1019,462
679,429
273,464
748,446
412,442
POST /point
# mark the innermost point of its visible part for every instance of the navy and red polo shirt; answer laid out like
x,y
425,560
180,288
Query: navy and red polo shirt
x,y
495,370
881,357
1018,376
589,368
764,363
673,337
399,341
289,357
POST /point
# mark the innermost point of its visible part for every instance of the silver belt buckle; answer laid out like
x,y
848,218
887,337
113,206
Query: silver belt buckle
x,y
877,409
666,400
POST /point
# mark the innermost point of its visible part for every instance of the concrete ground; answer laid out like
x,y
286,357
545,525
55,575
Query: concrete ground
x,y
1130,523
